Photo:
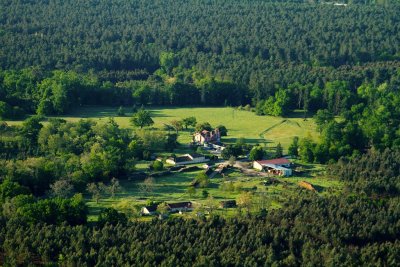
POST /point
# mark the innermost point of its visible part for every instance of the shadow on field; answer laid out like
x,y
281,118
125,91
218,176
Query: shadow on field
x,y
158,113
319,188
247,140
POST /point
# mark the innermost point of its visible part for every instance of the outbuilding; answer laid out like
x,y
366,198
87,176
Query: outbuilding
x,y
279,166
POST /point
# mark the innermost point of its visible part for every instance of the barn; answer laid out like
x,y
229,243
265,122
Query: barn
x,y
279,166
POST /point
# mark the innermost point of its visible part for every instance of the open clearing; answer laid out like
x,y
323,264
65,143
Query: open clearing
x,y
265,130
173,188
240,123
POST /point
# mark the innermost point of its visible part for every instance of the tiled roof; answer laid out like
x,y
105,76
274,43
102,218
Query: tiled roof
x,y
151,208
180,205
279,161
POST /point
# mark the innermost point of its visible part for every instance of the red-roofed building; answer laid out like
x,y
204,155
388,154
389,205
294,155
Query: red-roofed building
x,y
280,166
280,162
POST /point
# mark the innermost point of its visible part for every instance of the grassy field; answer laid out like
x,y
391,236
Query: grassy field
x,y
240,124
173,189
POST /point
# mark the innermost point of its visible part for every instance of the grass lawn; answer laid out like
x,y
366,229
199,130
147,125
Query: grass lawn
x,y
173,188
240,124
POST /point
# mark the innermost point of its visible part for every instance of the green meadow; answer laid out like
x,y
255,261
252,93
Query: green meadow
x,y
173,188
240,123
254,129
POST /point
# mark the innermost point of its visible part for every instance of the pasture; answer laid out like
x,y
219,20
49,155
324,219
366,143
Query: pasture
x,y
173,188
240,124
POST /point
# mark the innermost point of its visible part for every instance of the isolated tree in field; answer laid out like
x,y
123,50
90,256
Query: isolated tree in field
x,y
62,188
114,187
96,190
177,125
142,118
189,121
232,160
210,205
245,200
202,179
157,165
147,187
168,127
191,191
205,193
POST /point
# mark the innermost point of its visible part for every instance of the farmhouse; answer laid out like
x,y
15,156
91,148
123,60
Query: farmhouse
x,y
180,206
207,136
149,210
280,166
187,159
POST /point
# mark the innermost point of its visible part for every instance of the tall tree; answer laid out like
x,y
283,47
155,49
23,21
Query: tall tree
x,y
142,118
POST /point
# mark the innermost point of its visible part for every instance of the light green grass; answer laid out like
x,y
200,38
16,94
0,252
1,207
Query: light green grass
x,y
173,189
240,124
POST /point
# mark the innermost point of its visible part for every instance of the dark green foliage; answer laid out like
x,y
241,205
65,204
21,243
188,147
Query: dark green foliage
x,y
256,153
344,231
355,228
296,46
293,149
278,151
232,150
157,165
189,121
111,216
271,52
121,111
374,173
142,118
201,180
203,126
73,211
222,130
10,189
322,118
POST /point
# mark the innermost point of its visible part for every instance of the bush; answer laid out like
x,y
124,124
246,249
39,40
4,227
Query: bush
x,y
121,111
157,165
111,216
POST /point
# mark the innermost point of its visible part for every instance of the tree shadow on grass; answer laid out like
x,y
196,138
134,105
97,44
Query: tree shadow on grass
x,y
319,188
247,140
158,114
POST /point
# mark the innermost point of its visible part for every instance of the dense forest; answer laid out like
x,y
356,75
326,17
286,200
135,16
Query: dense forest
x,y
338,64
252,47
360,227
